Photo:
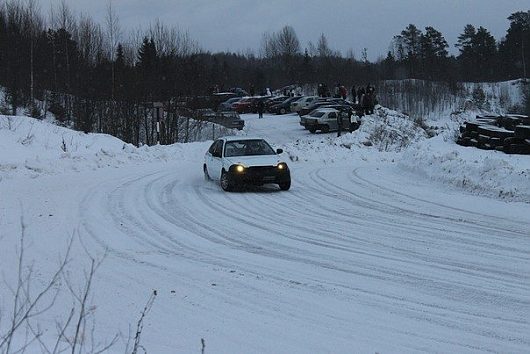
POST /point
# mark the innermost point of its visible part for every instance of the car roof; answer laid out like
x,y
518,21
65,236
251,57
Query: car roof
x,y
241,137
326,110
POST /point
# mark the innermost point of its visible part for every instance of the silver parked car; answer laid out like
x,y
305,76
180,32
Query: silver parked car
x,y
303,102
326,119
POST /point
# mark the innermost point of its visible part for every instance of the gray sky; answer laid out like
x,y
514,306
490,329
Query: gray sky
x,y
237,25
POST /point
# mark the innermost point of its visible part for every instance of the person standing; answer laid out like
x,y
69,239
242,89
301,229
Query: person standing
x,y
336,91
261,108
353,94
343,92
339,122
360,94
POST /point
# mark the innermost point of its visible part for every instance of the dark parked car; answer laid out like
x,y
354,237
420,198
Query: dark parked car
x,y
227,105
329,102
271,101
285,106
228,119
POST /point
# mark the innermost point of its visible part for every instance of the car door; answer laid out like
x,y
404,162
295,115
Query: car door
x,y
332,121
216,162
308,102
208,158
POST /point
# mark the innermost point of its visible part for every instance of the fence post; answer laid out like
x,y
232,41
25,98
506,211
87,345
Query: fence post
x,y
187,129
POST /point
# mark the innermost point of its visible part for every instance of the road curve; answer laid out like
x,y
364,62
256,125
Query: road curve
x,y
356,257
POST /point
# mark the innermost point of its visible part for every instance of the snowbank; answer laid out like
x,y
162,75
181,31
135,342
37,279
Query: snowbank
x,y
384,131
490,173
32,147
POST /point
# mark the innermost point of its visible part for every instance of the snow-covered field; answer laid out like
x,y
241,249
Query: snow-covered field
x,y
387,242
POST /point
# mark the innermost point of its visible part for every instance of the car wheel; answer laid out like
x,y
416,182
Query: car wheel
x,y
283,111
312,130
325,128
226,182
206,174
284,186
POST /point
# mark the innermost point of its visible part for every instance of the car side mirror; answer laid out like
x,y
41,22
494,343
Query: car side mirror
x,y
279,151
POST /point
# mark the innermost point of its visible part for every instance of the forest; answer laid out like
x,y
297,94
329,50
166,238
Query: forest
x,y
97,78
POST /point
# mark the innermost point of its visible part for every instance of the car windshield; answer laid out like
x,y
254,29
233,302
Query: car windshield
x,y
290,99
248,148
317,114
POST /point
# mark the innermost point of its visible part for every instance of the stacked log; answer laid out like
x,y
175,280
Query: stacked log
x,y
510,134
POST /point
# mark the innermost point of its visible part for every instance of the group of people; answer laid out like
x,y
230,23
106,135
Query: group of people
x,y
364,96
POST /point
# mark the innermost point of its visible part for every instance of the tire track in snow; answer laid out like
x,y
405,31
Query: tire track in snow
x,y
370,259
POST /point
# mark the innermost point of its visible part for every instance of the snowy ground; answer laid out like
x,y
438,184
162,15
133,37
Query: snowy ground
x,y
374,249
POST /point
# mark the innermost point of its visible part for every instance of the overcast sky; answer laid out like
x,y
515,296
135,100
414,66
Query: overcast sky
x,y
238,25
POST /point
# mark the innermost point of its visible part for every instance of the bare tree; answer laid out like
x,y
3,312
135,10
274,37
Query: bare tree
x,y
113,38
171,41
89,39
323,49
284,43
27,306
33,25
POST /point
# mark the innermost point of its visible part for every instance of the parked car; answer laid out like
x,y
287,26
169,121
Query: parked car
x,y
243,106
227,105
285,106
235,161
238,91
255,102
325,120
316,104
228,119
303,102
271,101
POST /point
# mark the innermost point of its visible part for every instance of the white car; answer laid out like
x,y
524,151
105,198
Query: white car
x,y
325,120
303,103
237,160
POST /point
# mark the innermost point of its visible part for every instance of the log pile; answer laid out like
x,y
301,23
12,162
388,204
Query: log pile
x,y
509,133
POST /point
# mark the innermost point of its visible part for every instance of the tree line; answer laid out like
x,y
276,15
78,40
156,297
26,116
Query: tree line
x,y
74,67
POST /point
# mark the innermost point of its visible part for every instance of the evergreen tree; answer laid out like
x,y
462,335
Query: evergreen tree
x,y
411,42
433,53
515,48
485,53
465,44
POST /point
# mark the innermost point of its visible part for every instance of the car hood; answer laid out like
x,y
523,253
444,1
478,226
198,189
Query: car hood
x,y
258,160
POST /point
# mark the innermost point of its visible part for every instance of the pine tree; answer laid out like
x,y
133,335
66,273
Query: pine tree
x,y
467,55
515,48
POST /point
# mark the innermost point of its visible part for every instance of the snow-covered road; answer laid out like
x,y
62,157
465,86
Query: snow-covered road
x,y
359,256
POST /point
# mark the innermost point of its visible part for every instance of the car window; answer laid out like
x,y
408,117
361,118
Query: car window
x,y
317,114
210,150
332,115
218,148
248,148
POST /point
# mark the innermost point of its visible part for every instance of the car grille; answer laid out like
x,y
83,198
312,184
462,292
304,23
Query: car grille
x,y
262,170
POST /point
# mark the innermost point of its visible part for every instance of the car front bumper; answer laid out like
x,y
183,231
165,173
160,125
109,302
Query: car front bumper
x,y
259,175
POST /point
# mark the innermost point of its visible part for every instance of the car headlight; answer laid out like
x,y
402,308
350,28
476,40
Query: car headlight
x,y
282,166
239,168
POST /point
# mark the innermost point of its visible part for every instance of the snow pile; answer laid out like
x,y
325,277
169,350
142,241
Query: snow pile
x,y
385,131
32,147
491,173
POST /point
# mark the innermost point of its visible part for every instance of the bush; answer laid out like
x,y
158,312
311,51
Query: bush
x,y
58,111
34,111
479,97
